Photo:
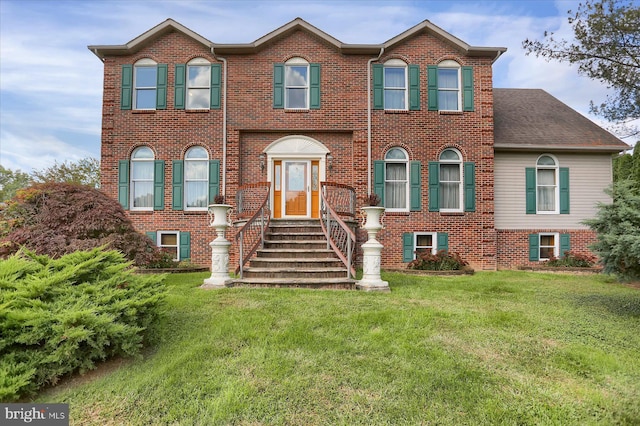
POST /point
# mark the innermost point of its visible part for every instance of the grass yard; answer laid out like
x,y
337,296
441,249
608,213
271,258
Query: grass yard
x,y
493,348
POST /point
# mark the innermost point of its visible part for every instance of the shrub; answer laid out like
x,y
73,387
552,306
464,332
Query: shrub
x,y
441,261
55,219
618,228
62,315
573,260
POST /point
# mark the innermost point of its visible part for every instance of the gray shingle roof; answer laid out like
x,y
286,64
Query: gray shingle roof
x,y
532,119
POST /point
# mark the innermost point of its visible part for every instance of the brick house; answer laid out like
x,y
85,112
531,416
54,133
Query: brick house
x,y
502,176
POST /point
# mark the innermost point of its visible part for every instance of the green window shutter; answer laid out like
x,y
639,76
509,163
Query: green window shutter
x,y
177,184
415,186
161,87
443,241
180,87
126,88
530,184
158,185
467,88
378,179
434,186
216,85
414,87
407,247
152,236
214,179
565,244
123,183
432,87
564,190
378,86
534,247
278,85
314,86
185,245
469,187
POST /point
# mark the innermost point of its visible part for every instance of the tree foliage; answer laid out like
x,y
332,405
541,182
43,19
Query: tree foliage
x,y
618,228
63,315
60,218
85,171
11,181
627,167
606,48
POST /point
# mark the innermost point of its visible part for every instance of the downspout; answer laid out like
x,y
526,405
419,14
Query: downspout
x,y
224,121
369,62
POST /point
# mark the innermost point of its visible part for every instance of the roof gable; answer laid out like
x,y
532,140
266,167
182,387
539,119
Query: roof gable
x,y
297,24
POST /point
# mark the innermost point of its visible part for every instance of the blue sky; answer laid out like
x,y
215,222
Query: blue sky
x,y
51,84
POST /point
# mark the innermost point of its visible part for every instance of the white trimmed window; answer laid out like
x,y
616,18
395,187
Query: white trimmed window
x,y
395,85
424,242
449,94
296,81
198,84
549,246
450,181
142,169
196,178
547,184
168,241
396,180
145,82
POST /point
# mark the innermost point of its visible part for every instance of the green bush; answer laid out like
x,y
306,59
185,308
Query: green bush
x,y
58,316
441,261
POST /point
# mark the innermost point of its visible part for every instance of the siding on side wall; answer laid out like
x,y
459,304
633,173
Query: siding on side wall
x,y
589,175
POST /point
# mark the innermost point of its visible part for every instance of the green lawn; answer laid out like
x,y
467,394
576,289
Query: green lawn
x,y
493,348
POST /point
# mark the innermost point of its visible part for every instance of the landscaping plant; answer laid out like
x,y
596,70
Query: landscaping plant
x,y
443,260
58,316
59,218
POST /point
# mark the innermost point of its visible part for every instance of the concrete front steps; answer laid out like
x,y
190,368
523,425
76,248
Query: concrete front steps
x,y
295,254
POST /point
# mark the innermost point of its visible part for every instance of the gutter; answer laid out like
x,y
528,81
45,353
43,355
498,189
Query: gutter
x,y
224,122
369,62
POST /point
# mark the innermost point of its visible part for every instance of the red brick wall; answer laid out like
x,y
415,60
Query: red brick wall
x,y
340,124
513,245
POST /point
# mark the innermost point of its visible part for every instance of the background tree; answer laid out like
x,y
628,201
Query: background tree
x,y
606,48
627,166
11,181
85,171
59,218
618,228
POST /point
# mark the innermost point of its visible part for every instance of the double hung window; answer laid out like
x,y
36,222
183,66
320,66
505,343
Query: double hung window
x,y
196,178
449,86
395,85
142,179
145,80
198,84
396,183
450,181
296,81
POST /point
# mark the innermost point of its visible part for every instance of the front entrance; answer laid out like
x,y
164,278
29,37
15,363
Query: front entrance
x,y
296,191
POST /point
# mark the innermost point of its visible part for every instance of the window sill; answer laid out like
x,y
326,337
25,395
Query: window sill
x,y
143,111
195,211
450,112
296,110
136,212
388,213
396,111
451,213
196,111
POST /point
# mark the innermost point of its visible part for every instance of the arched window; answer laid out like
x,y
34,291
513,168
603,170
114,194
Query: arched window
x,y
547,184
395,84
142,168
145,81
196,178
449,98
396,179
450,176
296,83
198,84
